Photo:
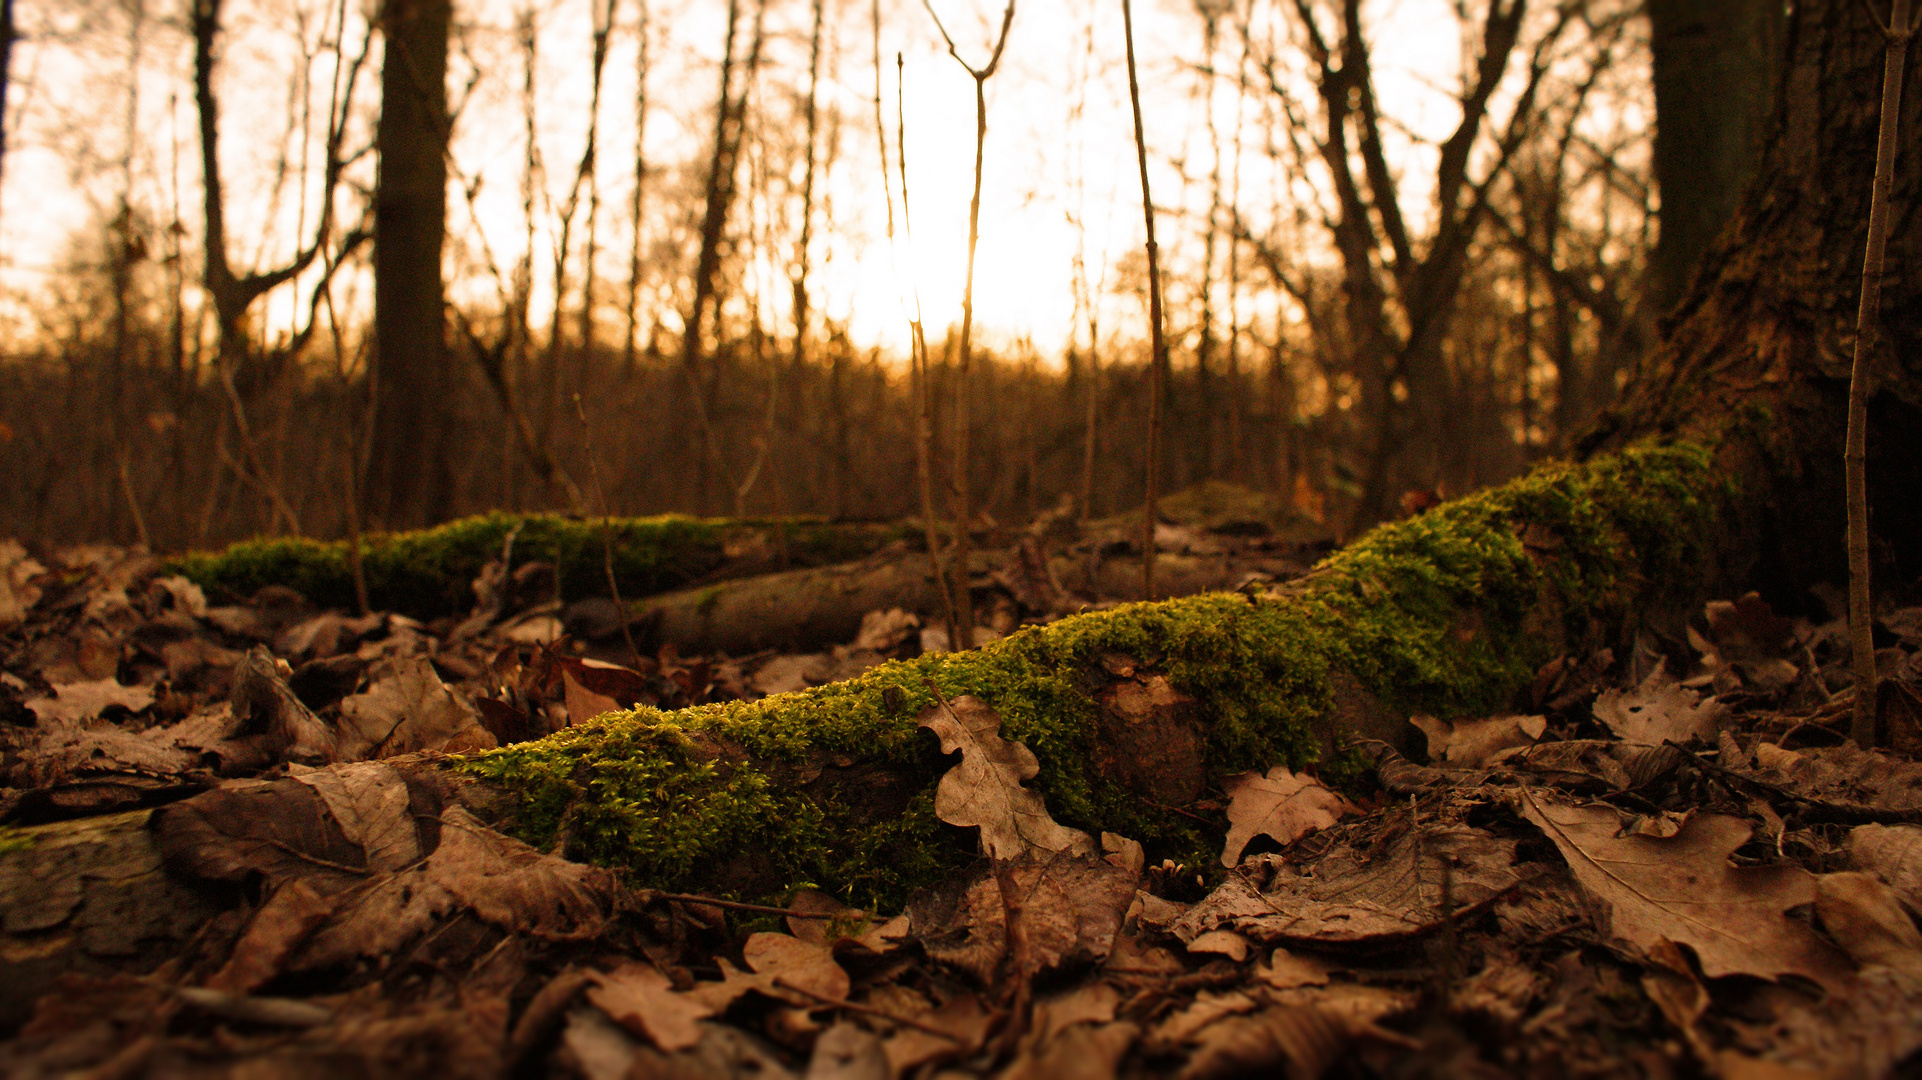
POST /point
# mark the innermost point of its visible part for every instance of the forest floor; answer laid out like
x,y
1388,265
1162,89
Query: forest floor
x,y
1669,863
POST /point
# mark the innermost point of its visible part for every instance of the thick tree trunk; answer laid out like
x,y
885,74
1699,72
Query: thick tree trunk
x,y
1716,65
1757,355
412,480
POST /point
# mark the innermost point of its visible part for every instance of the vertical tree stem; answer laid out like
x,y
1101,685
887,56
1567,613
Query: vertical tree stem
x,y
1157,374
1867,326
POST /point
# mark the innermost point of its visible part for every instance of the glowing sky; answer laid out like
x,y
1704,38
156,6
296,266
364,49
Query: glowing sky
x,y
68,120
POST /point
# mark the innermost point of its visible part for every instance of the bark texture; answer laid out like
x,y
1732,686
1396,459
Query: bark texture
x,y
1716,67
1756,358
412,481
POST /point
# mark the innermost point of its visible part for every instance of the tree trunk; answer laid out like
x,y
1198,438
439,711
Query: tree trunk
x,y
1757,355
1716,65
412,480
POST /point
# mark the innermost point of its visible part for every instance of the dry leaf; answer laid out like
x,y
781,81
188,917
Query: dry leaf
x,y
1280,805
77,702
962,1017
583,705
1089,1003
642,999
1079,1053
407,708
17,593
847,1052
368,801
1297,1041
1465,744
1221,943
1683,889
801,965
1405,887
1208,1008
1070,909
1658,710
1285,971
1894,854
985,788
1864,916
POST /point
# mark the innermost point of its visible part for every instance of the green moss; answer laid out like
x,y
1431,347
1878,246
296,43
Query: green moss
x,y
427,574
12,840
633,792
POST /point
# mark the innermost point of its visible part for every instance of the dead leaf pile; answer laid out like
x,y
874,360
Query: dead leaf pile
x,y
1630,874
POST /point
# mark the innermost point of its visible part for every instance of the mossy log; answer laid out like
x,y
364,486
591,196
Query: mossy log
x,y
427,573
1135,712
820,606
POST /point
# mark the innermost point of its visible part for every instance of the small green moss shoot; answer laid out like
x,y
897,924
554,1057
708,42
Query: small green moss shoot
x,y
427,573
633,792
13,840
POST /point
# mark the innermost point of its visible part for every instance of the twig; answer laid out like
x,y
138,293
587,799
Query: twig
x,y
607,528
918,340
736,905
962,637
1158,364
868,1010
1814,809
133,502
1867,323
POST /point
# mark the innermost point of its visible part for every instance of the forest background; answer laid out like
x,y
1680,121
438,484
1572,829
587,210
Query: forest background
x,y
1408,249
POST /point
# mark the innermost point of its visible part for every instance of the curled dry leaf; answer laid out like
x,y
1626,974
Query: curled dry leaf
x,y
1864,916
1070,909
1082,1052
848,1052
1466,744
1683,889
1894,854
1280,805
407,708
1221,943
1404,888
985,788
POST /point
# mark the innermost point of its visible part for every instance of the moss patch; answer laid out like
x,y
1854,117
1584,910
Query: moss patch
x,y
427,573
637,790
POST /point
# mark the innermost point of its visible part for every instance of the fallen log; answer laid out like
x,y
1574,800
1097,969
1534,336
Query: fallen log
x,y
1133,712
821,606
427,574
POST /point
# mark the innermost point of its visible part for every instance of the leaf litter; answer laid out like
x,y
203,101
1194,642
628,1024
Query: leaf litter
x,y
1635,875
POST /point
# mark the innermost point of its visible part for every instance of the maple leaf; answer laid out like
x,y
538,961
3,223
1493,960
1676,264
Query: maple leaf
x,y
1683,889
1281,805
985,788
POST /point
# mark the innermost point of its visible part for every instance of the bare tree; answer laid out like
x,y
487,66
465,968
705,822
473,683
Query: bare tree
x,y
234,293
1398,317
